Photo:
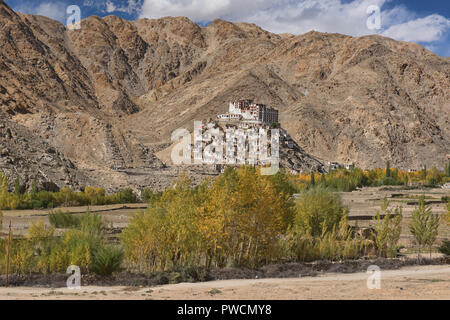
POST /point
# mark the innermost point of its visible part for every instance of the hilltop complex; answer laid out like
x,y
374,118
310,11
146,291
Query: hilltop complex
x,y
248,111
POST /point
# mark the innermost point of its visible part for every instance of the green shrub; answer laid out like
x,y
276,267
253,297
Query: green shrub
x,y
36,204
160,277
345,180
334,245
282,182
19,199
43,240
106,260
388,169
424,226
76,247
446,216
193,273
92,223
389,181
316,210
45,199
60,219
387,230
41,251
123,196
445,248
149,196
94,196
21,259
80,246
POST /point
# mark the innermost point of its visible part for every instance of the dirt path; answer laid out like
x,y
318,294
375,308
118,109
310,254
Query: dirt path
x,y
423,282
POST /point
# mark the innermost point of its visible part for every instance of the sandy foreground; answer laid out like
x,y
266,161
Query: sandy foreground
x,y
418,282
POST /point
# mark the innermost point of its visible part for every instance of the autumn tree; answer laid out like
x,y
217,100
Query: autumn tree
x,y
313,180
388,169
4,195
318,209
251,213
424,226
166,235
34,189
447,169
234,220
387,229
17,187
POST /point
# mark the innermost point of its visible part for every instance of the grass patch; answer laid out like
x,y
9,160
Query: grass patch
x,y
215,291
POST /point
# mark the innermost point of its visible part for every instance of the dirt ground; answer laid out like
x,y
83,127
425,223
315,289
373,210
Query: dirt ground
x,y
416,283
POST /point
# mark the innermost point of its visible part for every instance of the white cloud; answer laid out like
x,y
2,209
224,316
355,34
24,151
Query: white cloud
x,y
131,6
53,10
110,7
428,29
203,10
300,16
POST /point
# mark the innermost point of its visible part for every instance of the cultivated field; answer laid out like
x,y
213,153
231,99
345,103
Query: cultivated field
x,y
367,201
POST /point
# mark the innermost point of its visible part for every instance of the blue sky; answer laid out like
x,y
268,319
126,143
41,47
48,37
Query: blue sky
x,y
426,22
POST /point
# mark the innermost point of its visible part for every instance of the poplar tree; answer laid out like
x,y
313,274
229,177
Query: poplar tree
x,y
34,187
388,169
17,187
424,226
448,169
313,179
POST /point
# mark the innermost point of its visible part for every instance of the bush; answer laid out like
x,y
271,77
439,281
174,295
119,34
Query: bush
x,y
445,248
193,274
64,197
106,260
41,251
148,195
178,275
79,246
160,277
95,196
60,219
424,226
334,245
123,196
389,181
345,180
92,223
447,216
43,241
316,210
22,259
387,230
76,247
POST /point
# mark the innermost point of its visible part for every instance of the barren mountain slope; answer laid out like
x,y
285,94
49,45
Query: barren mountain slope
x,y
108,96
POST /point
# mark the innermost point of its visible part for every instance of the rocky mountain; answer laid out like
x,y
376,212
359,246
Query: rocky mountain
x,y
106,98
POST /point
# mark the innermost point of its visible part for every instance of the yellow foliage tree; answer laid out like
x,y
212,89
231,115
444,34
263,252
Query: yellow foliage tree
x,y
235,219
